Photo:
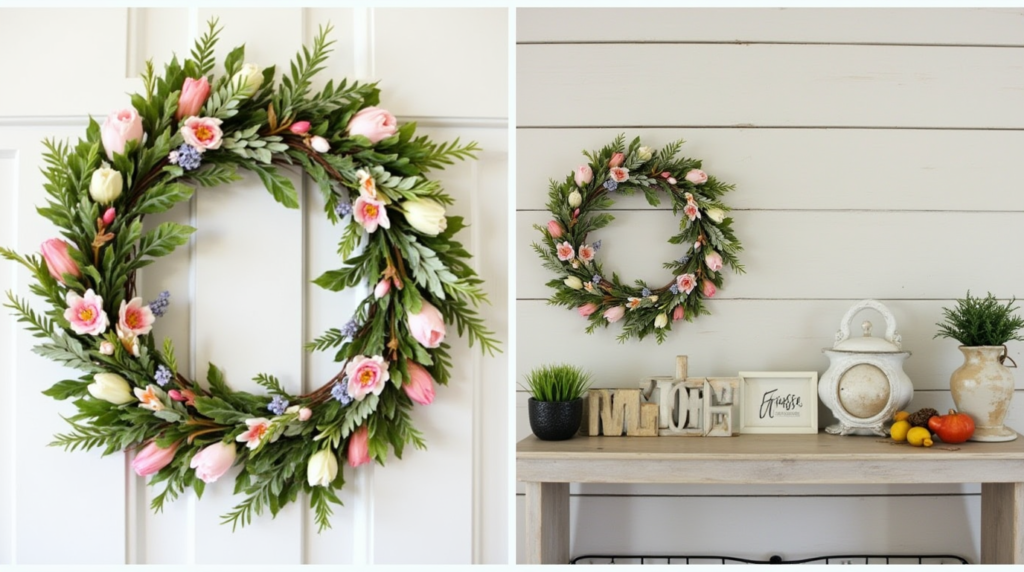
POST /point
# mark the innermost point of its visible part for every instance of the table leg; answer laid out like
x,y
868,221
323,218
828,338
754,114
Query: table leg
x,y
1002,523
547,523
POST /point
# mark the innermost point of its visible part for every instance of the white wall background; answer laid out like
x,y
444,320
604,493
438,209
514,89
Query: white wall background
x,y
446,69
876,153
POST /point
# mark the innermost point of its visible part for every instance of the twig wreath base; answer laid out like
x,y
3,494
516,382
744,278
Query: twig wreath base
x,y
191,128
577,208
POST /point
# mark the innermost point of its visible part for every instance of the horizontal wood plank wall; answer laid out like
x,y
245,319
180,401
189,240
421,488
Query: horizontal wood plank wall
x,y
230,307
865,166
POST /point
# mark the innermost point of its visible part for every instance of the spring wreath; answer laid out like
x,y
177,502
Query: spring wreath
x,y
705,232
192,128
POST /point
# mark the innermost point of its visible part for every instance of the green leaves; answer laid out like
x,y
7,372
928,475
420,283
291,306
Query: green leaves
x,y
161,241
161,198
280,187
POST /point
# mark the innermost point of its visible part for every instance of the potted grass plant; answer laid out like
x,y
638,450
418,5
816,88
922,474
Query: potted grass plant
x,y
982,387
556,402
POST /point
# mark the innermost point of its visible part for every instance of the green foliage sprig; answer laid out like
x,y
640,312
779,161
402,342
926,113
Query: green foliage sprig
x,y
981,321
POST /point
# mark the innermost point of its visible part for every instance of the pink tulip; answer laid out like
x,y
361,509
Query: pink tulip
x,y
616,160
709,289
427,326
374,123
420,386
554,229
152,458
584,174
175,395
696,176
118,129
108,216
587,309
213,461
713,260
678,314
382,289
359,447
614,314
193,95
58,261
299,127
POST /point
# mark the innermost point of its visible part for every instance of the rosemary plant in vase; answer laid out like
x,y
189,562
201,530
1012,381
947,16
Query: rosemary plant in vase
x,y
556,402
982,387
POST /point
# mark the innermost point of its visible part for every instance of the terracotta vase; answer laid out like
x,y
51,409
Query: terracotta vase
x,y
982,388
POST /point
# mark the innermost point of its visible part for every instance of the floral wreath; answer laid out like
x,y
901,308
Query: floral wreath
x,y
705,229
191,126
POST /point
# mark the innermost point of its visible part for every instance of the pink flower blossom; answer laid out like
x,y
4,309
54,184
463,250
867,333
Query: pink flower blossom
x,y
299,127
374,123
193,95
86,314
106,348
305,413
382,288
679,313
370,213
257,430
213,461
665,174
565,251
427,327
149,398
175,395
135,317
420,385
554,229
118,129
366,375
108,216
616,160
709,289
619,174
614,314
696,176
359,447
686,282
152,458
367,184
587,253
58,261
202,133
713,260
691,211
584,174
587,309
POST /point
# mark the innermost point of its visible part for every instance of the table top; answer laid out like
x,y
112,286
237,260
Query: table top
x,y
750,459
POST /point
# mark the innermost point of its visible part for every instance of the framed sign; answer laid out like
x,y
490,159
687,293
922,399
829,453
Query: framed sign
x,y
779,402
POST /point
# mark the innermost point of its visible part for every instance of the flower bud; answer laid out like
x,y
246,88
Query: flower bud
x,y
319,144
420,385
108,216
575,199
359,447
106,348
111,387
106,185
717,215
554,229
152,458
382,289
587,309
213,461
696,176
644,154
193,95
584,174
661,320
427,327
299,127
679,313
573,282
305,413
708,289
322,468
616,160
425,215
58,261
247,80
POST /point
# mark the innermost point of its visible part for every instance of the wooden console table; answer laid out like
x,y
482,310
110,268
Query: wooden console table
x,y
547,468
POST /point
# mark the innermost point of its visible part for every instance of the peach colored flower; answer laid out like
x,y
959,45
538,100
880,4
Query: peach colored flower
x,y
367,185
634,303
619,174
420,385
193,95
565,251
359,447
713,260
554,229
135,317
709,289
616,160
587,253
202,133
696,176
588,286
614,314
587,309
86,314
691,211
149,397
258,429
370,213
686,282
679,313
366,375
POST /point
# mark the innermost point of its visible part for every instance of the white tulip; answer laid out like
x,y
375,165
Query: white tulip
x,y
425,215
111,387
661,321
106,185
247,80
717,215
319,144
573,282
322,468
644,154
575,199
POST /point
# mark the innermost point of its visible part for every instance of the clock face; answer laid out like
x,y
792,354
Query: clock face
x,y
863,391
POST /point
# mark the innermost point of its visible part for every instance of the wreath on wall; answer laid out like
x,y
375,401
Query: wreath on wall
x,y
705,232
193,128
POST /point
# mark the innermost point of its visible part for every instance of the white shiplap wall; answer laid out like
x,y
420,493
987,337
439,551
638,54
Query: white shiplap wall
x,y
241,295
875,153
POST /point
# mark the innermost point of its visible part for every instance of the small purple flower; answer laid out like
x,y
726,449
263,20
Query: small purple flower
x,y
611,185
159,306
645,292
683,259
349,330
343,209
189,158
163,375
277,405
596,279
340,392
673,289
597,245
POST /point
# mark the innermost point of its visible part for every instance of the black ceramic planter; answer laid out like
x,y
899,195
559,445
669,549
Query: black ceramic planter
x,y
555,420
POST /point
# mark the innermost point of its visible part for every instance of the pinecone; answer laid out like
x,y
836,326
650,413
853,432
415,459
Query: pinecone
x,y
920,419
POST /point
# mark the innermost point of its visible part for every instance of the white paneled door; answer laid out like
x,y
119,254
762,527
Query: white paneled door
x,y
242,297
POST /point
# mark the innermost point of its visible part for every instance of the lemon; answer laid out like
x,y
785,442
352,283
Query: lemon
x,y
919,437
898,431
901,416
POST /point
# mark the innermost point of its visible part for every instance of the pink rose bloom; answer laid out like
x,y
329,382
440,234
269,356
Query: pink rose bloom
x,y
86,314
149,398
691,211
58,261
587,309
587,253
202,133
366,375
554,229
370,213
382,289
118,129
686,282
359,447
427,327
193,95
713,260
709,289
565,251
257,430
420,386
619,174
696,176
135,317
213,461
152,458
616,160
614,314
305,413
108,216
679,313
374,123
584,174
299,127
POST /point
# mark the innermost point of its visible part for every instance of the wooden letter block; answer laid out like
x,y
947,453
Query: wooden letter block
x,y
609,412
721,406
